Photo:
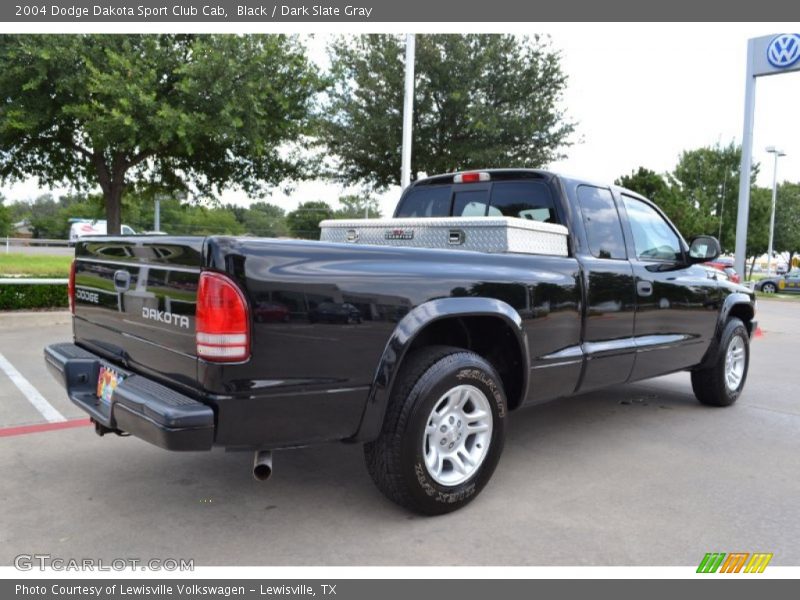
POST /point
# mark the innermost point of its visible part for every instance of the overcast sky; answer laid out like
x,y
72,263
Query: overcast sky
x,y
641,93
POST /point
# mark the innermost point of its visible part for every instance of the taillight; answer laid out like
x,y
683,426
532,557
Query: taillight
x,y
474,177
222,320
71,288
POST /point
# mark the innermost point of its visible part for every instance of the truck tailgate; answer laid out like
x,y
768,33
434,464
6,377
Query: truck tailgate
x,y
135,299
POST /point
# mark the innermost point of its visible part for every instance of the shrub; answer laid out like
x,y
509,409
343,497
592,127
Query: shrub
x,y
17,297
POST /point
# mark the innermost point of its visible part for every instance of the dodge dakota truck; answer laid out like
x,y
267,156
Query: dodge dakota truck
x,y
416,336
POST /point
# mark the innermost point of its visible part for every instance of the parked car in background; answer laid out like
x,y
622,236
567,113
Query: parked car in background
x,y
86,227
334,312
270,312
715,273
726,265
732,274
780,283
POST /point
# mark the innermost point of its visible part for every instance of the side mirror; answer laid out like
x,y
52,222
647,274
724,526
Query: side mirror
x,y
704,248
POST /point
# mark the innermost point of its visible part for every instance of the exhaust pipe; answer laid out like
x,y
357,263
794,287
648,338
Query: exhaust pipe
x,y
262,465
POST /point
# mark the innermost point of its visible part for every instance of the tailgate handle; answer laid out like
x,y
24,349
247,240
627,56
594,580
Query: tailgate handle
x,y
456,237
122,280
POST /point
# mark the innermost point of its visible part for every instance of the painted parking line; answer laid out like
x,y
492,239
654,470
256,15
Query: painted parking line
x,y
40,427
47,410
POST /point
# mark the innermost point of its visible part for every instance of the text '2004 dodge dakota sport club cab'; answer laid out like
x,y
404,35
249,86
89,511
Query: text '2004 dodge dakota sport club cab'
x,y
417,336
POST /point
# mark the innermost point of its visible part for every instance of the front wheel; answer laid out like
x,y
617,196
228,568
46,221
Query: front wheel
x,y
443,432
769,288
722,383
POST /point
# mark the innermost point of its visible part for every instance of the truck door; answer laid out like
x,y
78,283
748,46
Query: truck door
x,y
676,304
608,345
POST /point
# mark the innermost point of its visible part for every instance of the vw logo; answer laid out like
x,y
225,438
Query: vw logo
x,y
784,50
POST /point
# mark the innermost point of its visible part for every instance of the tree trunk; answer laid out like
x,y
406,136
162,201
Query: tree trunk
x,y
113,201
112,182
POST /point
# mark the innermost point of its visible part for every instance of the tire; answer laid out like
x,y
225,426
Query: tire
x,y
769,288
439,377
715,386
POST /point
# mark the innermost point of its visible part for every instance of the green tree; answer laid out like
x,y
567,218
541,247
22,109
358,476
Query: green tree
x,y
265,220
705,192
5,218
480,101
357,207
304,221
648,183
49,217
758,224
45,219
240,212
181,217
201,112
787,219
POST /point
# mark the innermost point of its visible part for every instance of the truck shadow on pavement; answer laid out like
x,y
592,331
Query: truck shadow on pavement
x,y
335,475
120,496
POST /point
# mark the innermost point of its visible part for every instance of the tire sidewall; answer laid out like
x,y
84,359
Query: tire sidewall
x,y
447,373
734,328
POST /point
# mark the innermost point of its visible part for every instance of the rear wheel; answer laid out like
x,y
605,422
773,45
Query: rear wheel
x,y
443,432
722,383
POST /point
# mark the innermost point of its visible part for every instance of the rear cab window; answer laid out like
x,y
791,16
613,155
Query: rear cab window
x,y
426,201
521,199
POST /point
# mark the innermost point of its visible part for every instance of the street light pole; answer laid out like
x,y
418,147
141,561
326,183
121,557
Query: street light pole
x,y
408,111
778,153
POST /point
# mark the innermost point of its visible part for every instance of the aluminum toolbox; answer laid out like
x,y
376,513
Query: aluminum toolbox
x,y
479,234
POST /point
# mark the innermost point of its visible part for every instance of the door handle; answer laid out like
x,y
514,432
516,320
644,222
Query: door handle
x,y
644,288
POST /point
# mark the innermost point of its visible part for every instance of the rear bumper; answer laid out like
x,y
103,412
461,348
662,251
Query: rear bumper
x,y
139,406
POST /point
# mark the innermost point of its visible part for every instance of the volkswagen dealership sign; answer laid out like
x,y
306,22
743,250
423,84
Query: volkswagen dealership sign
x,y
768,55
784,50
773,54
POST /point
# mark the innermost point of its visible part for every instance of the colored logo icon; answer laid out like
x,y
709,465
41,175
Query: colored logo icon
x,y
784,50
735,562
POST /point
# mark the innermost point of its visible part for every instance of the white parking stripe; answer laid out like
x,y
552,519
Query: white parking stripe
x,y
31,393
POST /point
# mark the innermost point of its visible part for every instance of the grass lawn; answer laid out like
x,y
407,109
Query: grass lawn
x,y
34,265
783,297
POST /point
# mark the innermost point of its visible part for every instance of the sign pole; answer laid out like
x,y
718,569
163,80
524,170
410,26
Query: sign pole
x,y
747,160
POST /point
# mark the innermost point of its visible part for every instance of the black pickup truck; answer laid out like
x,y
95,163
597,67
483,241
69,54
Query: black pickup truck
x,y
419,353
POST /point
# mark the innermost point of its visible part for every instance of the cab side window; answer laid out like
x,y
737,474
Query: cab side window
x,y
601,221
653,238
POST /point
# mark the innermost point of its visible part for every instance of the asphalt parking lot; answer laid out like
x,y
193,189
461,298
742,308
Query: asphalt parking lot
x,y
633,475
